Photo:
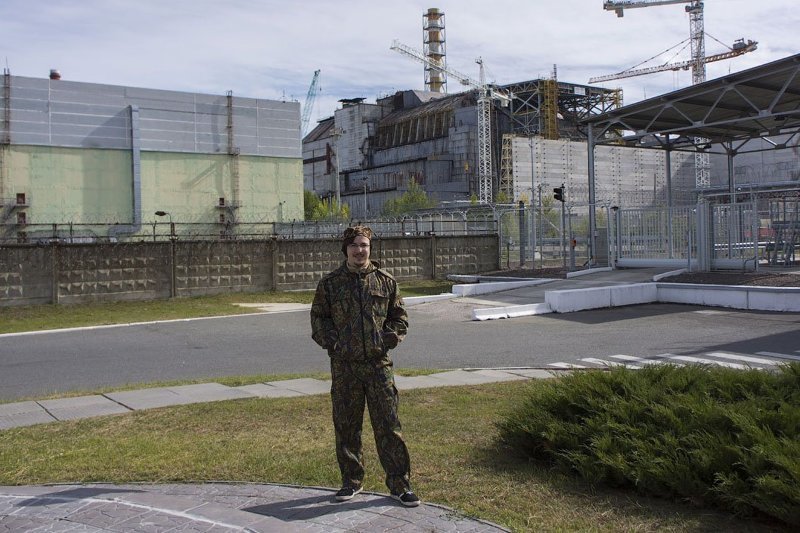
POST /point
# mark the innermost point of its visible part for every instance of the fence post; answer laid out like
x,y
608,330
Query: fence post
x,y
54,286
433,254
704,244
273,249
523,233
173,287
617,234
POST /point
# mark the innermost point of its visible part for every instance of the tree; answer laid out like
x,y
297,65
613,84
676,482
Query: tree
x,y
502,198
411,200
321,209
310,203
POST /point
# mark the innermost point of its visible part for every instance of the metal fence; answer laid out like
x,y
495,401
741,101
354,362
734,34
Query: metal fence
x,y
537,237
447,223
719,232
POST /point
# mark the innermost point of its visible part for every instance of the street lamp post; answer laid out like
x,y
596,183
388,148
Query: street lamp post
x,y
171,224
173,290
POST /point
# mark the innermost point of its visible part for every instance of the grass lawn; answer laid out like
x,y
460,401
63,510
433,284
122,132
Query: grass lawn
x,y
456,458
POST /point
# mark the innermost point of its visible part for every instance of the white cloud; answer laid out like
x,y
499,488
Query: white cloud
x,y
270,49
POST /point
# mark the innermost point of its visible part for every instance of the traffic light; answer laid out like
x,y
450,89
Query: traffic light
x,y
558,193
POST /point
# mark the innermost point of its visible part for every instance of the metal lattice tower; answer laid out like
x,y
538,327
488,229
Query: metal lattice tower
x,y
434,49
507,166
550,109
702,161
308,106
698,62
484,140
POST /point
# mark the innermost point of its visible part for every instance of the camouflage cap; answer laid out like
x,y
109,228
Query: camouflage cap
x,y
350,234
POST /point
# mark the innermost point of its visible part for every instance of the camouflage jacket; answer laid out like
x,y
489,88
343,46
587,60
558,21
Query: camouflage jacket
x,y
353,311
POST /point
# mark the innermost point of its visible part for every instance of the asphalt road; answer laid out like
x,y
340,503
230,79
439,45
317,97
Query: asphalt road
x,y
442,336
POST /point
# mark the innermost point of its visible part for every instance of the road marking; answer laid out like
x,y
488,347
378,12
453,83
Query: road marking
x,y
710,362
745,362
126,325
780,355
566,365
745,358
645,361
606,362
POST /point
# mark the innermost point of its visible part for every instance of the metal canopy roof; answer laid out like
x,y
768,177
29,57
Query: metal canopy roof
x,y
727,112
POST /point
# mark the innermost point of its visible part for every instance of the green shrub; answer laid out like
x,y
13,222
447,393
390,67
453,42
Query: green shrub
x,y
710,435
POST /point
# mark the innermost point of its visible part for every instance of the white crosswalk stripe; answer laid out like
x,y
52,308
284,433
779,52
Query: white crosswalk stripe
x,y
703,361
780,355
565,365
606,362
768,360
744,358
641,360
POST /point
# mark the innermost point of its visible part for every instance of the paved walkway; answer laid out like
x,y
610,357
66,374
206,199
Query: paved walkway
x,y
220,506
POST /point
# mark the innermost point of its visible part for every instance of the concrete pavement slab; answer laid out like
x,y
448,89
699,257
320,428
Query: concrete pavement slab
x,y
463,377
499,375
218,507
417,382
304,385
23,414
535,373
209,392
149,398
82,407
180,395
265,390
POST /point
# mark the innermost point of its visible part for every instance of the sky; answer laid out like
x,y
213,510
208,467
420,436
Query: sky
x,y
270,49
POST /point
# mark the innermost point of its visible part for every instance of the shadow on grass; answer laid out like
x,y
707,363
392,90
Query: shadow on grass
x,y
499,459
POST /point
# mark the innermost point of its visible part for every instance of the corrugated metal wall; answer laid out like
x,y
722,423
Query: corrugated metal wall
x,y
85,115
624,176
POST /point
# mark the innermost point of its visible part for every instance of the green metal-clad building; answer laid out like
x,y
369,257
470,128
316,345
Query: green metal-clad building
x,y
96,162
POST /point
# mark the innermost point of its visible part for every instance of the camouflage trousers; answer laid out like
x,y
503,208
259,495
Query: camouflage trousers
x,y
353,384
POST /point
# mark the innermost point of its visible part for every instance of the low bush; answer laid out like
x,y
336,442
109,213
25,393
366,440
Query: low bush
x,y
715,437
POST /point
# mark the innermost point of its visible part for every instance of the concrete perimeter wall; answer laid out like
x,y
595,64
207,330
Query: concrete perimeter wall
x,y
82,273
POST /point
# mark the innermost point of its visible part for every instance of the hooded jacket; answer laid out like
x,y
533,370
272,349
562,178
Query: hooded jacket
x,y
352,311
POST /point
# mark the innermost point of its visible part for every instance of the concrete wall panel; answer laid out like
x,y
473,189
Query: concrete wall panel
x,y
143,270
26,276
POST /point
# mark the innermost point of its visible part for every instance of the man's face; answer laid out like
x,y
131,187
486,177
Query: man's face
x,y
358,252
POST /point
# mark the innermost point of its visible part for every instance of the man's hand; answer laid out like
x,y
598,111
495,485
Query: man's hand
x,y
390,339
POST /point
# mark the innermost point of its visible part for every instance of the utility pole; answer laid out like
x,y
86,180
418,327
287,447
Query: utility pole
x,y
335,134
541,228
365,196
559,194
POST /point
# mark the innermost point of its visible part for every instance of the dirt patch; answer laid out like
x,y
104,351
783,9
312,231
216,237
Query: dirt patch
x,y
761,279
558,273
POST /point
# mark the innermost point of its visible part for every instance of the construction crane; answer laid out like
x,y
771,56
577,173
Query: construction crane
x,y
486,94
309,104
739,47
696,32
697,62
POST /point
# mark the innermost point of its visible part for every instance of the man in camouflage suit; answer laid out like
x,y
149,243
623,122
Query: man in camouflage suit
x,y
358,316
